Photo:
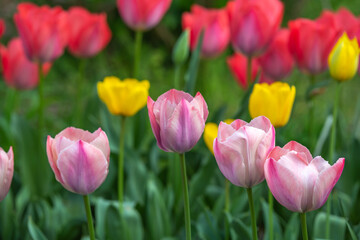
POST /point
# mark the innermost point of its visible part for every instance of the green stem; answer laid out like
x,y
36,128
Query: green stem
x,y
186,197
248,71
303,226
138,42
121,164
177,76
252,212
89,217
10,103
271,218
79,93
41,100
227,208
311,115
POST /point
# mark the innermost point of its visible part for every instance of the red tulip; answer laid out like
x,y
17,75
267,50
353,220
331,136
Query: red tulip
x,y
238,66
142,14
18,71
43,31
253,24
2,27
277,62
89,33
310,43
216,26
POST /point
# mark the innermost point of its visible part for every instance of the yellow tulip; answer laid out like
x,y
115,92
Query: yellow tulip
x,y
125,97
273,101
210,133
343,59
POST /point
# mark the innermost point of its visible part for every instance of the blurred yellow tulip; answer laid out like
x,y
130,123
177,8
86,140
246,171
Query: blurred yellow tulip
x,y
274,101
125,97
343,59
210,133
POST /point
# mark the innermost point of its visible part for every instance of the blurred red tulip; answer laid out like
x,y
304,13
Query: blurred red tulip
x,y
142,14
18,71
238,66
310,43
277,62
253,24
89,33
215,23
43,31
2,27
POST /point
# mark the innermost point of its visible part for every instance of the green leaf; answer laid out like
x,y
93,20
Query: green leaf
x,y
292,229
325,131
35,232
337,226
276,224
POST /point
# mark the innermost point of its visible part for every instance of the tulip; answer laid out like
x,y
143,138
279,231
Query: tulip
x,y
210,133
177,120
2,27
310,43
89,33
79,159
142,14
277,62
125,97
253,24
298,181
344,59
43,31
275,101
18,71
241,149
214,23
6,171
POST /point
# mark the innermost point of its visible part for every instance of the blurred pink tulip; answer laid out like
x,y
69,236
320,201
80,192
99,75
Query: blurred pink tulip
x,y
2,27
299,182
241,149
79,159
88,33
238,66
310,43
6,171
18,71
177,120
253,24
142,14
43,31
214,22
277,62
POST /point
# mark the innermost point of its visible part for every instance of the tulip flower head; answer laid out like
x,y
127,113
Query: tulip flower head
x,y
2,27
210,133
79,159
241,149
177,120
18,71
142,14
275,101
298,181
125,97
43,31
344,59
89,33
6,171
214,22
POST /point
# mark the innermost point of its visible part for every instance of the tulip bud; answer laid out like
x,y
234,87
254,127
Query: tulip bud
x,y
181,49
274,101
344,59
6,171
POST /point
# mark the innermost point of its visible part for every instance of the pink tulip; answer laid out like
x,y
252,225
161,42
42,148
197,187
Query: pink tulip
x,y
253,24
79,159
6,171
18,71
2,27
88,33
277,62
177,120
142,14
214,22
241,149
43,31
310,43
299,182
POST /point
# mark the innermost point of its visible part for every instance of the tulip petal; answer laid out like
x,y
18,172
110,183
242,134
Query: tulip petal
x,y
52,157
102,142
154,125
300,149
6,171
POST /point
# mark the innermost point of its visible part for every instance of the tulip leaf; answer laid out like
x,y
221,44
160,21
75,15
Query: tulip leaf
x,y
191,74
276,224
325,131
35,232
351,231
292,229
317,88
7,222
337,226
206,224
